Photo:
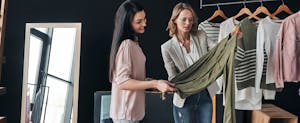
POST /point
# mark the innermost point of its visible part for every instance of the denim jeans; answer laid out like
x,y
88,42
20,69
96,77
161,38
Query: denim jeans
x,y
197,109
125,121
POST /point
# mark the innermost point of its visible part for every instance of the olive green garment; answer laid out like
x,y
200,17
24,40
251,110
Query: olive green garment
x,y
218,61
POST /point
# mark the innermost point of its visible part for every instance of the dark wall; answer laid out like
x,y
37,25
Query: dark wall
x,y
97,27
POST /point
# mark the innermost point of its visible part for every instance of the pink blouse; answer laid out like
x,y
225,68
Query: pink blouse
x,y
129,64
287,63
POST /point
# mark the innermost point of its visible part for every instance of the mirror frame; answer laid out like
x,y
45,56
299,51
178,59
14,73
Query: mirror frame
x,y
76,25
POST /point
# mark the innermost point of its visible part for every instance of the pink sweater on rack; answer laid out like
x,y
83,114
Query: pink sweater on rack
x,y
287,63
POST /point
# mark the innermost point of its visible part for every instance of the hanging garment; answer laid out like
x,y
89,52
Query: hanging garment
x,y
245,68
225,28
247,98
246,47
212,32
287,59
219,60
266,39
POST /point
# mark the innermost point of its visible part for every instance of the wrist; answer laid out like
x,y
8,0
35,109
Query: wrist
x,y
154,84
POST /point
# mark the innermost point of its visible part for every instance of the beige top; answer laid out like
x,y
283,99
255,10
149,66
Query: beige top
x,y
129,64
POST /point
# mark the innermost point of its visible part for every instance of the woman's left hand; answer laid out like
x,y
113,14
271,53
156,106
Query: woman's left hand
x,y
236,30
165,86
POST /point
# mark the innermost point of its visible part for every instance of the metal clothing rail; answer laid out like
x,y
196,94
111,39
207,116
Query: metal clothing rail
x,y
231,3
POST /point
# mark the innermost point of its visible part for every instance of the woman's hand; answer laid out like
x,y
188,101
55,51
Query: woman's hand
x,y
164,86
236,30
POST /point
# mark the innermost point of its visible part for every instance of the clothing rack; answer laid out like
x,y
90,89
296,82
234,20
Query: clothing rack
x,y
231,3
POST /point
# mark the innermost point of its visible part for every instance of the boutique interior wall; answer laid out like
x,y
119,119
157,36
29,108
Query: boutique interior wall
x,y
97,27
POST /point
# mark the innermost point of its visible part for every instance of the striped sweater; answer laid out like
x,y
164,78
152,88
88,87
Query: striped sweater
x,y
245,69
212,32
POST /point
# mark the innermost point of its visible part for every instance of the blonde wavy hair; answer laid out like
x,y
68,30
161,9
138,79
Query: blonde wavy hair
x,y
176,11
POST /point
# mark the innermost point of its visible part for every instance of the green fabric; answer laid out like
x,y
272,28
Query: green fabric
x,y
218,61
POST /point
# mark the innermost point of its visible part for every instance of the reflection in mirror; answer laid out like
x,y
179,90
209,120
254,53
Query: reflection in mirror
x,y
51,73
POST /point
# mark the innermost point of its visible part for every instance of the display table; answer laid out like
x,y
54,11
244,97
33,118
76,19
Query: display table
x,y
157,110
272,114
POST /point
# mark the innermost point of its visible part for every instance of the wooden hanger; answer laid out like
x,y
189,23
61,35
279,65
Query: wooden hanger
x,y
246,11
264,10
217,13
283,8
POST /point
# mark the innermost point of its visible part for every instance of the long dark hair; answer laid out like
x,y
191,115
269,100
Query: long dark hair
x,y
123,29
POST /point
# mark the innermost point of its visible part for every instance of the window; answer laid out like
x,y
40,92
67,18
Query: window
x,y
50,65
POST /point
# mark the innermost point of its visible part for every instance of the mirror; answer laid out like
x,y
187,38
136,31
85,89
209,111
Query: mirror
x,y
51,73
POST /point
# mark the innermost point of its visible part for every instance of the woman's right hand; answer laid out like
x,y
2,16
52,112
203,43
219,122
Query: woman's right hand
x,y
165,86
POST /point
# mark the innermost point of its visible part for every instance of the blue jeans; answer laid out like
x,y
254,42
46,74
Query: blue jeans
x,y
125,121
197,109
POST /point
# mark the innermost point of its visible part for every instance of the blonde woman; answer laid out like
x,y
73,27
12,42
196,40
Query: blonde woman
x,y
186,46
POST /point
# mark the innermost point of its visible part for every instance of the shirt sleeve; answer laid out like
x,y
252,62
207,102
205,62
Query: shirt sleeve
x,y
278,60
123,63
260,56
